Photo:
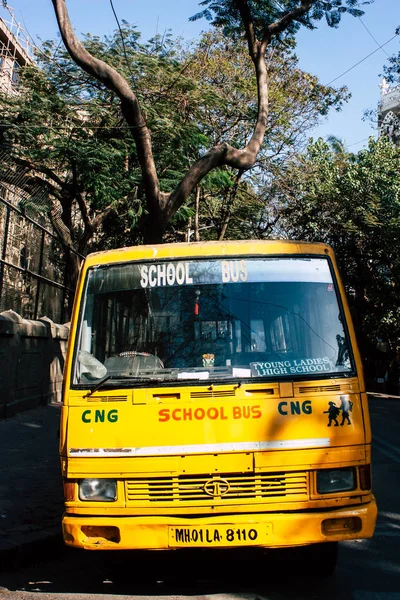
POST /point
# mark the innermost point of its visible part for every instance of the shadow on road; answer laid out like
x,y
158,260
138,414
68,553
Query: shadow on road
x,y
364,572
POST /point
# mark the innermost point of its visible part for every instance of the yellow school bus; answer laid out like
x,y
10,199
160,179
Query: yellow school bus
x,y
214,398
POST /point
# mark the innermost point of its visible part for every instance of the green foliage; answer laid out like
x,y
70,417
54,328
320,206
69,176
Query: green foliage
x,y
70,128
226,14
351,201
296,101
392,69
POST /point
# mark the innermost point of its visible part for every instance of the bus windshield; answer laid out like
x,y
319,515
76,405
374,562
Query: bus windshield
x,y
224,318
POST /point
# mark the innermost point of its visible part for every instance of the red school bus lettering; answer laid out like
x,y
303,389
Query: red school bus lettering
x,y
246,412
212,413
184,385
189,414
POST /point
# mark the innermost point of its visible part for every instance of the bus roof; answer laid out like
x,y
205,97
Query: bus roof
x,y
207,249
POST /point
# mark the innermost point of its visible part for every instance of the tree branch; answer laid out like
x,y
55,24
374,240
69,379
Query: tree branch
x,y
22,162
248,24
129,102
294,15
25,181
59,225
224,154
92,226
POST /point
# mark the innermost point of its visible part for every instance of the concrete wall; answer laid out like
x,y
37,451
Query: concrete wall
x,y
32,355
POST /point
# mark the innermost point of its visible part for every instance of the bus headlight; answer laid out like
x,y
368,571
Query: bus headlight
x,y
98,490
336,480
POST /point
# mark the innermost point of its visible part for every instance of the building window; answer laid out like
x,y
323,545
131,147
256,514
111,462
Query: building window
x,y
15,73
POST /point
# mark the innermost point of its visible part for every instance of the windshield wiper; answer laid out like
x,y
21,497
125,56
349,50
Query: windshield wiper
x,y
97,386
136,378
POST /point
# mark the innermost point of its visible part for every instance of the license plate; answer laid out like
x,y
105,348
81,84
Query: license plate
x,y
219,535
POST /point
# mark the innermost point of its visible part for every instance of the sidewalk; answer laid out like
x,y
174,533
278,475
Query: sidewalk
x,y
31,495
382,395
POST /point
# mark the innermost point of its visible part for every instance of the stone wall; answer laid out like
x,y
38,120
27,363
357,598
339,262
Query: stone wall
x,y
32,355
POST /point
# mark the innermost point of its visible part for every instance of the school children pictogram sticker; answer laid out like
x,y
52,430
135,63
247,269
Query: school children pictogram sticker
x,y
333,412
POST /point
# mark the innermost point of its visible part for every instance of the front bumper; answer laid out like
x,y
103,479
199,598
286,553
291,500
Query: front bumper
x,y
267,530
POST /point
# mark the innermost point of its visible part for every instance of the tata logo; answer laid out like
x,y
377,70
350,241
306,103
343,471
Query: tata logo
x,y
216,487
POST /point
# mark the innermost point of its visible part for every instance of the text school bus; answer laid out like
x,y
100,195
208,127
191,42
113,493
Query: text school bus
x,y
214,397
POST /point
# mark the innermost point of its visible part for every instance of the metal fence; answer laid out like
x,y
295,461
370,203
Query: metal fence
x,y
33,268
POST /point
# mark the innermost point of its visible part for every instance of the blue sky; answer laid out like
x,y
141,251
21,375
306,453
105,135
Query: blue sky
x,y
325,52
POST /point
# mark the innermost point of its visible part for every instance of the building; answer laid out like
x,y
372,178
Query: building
x,y
15,50
389,112
32,259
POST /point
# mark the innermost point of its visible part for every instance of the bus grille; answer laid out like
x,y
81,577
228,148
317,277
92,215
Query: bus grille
x,y
200,489
319,389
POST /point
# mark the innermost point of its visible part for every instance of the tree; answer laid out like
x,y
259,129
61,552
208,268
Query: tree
x,y
261,25
351,201
65,134
392,68
225,200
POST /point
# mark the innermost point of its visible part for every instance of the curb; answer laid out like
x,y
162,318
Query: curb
x,y
382,396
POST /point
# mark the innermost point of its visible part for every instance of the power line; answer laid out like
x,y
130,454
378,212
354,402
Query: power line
x,y
369,33
65,126
122,39
355,143
361,61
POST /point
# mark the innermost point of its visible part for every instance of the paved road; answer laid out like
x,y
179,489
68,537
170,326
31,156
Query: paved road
x,y
31,494
367,570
